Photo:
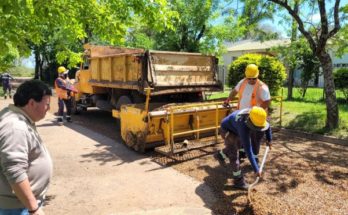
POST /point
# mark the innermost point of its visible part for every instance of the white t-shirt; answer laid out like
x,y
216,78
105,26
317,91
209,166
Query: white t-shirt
x,y
248,90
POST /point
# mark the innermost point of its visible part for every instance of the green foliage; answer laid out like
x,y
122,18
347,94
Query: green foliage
x,y
62,26
191,27
299,55
7,59
341,81
272,71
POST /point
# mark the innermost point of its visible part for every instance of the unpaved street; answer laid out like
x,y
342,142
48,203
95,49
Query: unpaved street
x,y
302,176
93,174
92,166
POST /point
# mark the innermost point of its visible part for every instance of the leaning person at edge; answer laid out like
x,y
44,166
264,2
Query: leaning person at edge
x,y
25,164
235,130
251,92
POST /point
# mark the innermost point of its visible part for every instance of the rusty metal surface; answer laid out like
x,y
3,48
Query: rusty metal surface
x,y
103,51
169,69
166,73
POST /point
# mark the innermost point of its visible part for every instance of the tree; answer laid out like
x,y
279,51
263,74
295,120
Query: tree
x,y
292,63
317,38
60,25
191,27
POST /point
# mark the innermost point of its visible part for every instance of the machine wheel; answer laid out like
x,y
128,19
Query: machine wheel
x,y
140,144
123,100
74,109
135,141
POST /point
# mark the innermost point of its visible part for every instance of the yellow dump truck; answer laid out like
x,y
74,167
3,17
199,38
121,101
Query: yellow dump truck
x,y
157,96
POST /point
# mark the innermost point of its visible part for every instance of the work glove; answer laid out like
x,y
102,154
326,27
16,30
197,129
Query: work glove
x,y
69,93
269,143
227,103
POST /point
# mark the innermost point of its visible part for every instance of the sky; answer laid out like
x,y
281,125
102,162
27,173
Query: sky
x,y
29,62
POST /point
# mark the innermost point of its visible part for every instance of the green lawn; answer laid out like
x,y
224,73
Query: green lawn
x,y
306,114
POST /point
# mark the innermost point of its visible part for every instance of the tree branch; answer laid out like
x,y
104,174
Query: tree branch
x,y
337,20
200,35
299,22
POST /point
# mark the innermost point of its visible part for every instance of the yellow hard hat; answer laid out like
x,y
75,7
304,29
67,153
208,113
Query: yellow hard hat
x,y
258,119
61,70
251,71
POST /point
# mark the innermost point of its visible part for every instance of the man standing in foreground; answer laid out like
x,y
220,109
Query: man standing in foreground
x,y
25,164
236,130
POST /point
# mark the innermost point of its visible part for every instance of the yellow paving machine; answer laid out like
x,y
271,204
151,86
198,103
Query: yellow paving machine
x,y
156,96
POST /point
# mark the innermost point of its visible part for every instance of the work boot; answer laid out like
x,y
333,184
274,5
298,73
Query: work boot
x,y
10,96
242,154
218,156
239,183
60,121
68,119
5,97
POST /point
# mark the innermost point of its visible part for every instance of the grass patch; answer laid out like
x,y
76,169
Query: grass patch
x,y
22,71
311,117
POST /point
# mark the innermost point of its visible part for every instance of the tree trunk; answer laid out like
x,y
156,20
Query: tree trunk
x,y
332,114
290,83
293,65
37,63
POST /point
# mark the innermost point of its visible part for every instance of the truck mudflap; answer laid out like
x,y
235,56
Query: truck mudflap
x,y
175,127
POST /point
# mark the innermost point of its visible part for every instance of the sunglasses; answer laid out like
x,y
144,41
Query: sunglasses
x,y
252,79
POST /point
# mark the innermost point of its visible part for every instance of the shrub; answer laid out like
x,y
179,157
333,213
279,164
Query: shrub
x,y
341,81
272,71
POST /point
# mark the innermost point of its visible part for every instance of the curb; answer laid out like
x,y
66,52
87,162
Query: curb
x,y
328,139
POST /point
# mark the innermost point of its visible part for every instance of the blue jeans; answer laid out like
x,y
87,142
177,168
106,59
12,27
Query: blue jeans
x,y
15,211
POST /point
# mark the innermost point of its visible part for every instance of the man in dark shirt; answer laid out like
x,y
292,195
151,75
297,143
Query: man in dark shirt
x,y
236,130
6,84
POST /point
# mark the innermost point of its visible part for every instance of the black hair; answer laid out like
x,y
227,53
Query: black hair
x,y
32,89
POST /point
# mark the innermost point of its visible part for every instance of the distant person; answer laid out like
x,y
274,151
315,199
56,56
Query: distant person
x,y
251,92
6,84
65,92
25,164
236,130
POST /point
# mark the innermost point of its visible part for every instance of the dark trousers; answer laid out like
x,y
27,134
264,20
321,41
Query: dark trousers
x,y
231,150
68,106
6,88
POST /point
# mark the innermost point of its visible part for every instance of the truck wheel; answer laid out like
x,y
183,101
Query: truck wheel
x,y
140,144
74,109
123,100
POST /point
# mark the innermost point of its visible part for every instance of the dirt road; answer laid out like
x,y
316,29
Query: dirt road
x,y
301,176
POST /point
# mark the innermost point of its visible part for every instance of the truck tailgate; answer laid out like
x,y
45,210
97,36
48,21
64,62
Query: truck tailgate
x,y
169,69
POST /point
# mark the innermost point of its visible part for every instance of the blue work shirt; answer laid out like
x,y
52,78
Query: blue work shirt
x,y
236,123
5,78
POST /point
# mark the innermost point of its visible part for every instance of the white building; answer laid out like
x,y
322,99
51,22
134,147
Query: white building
x,y
234,50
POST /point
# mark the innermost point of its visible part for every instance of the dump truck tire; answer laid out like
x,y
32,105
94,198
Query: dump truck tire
x,y
123,100
74,109
135,141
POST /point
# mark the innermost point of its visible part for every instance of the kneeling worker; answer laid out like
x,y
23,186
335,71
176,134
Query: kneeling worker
x,y
236,130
